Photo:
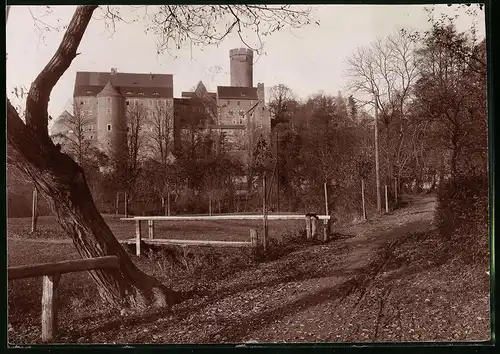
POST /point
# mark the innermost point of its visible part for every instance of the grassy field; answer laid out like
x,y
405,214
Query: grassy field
x,y
223,230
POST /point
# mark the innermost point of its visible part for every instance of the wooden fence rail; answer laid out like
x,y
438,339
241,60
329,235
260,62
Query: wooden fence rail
x,y
51,273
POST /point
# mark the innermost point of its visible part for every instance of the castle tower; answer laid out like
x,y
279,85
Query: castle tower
x,y
241,64
111,120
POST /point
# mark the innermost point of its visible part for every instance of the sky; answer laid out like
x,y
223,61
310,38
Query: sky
x,y
309,60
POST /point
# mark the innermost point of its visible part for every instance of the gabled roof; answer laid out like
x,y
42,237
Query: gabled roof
x,y
200,91
129,84
243,93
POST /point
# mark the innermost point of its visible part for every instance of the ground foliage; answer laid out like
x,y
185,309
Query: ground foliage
x,y
390,279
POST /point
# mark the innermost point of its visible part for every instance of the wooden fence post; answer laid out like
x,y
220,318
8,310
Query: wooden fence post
x,y
34,211
396,190
138,237
151,229
363,198
308,227
314,226
254,239
386,200
49,306
325,226
264,202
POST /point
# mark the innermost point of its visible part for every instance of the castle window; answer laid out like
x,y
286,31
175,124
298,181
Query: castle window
x,y
108,99
263,108
228,102
91,137
109,127
238,103
108,110
127,103
151,103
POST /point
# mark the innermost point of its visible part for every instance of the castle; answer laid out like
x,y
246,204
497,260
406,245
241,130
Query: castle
x,y
108,103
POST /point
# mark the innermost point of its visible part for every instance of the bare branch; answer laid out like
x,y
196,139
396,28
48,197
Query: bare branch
x,y
39,94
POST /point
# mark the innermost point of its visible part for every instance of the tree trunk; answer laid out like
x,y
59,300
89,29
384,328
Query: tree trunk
x,y
62,182
454,157
125,202
117,203
168,203
377,162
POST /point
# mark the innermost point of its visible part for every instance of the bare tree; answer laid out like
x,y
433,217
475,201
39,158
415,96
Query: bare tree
x,y
161,142
281,101
387,71
74,137
62,181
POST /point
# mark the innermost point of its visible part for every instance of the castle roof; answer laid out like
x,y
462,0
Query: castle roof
x,y
109,91
129,84
233,92
200,91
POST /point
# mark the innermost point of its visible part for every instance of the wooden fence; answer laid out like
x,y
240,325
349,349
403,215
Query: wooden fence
x,y
311,230
51,273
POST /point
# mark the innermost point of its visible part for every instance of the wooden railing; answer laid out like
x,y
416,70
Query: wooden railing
x,y
311,229
51,273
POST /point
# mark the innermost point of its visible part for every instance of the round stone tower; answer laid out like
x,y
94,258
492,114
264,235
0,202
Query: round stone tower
x,y
241,67
111,121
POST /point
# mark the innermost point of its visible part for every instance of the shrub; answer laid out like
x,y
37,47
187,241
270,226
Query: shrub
x,y
462,213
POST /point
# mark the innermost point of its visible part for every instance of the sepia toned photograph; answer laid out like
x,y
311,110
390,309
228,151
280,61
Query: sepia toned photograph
x,y
247,174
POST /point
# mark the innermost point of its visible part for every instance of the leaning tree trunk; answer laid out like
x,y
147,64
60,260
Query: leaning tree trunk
x,y
62,182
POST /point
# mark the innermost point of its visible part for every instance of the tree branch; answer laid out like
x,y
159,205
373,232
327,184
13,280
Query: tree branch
x,y
39,94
